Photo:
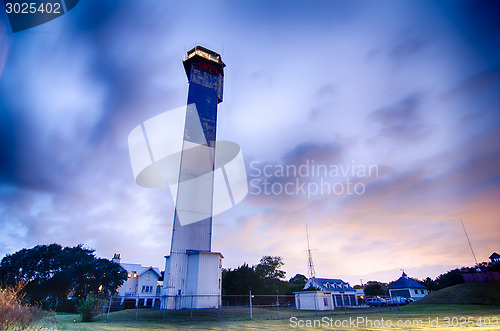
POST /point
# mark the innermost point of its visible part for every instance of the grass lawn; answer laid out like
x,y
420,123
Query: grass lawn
x,y
467,293
416,317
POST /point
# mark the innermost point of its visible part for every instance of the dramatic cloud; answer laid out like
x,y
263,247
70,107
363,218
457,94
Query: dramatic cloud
x,y
400,121
401,99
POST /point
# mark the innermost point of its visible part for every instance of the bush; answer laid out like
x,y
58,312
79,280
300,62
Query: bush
x,y
13,313
90,307
67,306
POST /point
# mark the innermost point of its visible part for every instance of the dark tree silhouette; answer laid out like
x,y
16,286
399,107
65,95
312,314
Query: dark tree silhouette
x,y
55,272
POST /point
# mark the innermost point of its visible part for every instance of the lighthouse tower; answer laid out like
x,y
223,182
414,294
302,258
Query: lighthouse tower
x,y
193,273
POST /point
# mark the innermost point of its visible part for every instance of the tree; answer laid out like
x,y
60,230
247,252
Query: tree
x,y
374,288
89,307
297,282
493,267
264,278
55,272
430,284
271,275
450,278
269,267
240,280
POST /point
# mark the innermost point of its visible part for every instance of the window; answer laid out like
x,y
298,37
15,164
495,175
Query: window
x,y
416,291
147,289
422,291
325,301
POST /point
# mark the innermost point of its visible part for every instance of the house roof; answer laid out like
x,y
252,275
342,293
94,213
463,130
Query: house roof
x,y
328,284
139,269
495,255
405,282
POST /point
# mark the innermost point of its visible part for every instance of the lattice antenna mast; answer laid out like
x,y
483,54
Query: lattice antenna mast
x,y
310,271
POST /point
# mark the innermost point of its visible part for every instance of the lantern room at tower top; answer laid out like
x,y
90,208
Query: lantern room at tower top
x,y
206,60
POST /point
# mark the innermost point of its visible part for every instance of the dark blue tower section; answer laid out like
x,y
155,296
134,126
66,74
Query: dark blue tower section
x,y
205,72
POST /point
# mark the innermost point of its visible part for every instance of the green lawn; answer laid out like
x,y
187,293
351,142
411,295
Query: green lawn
x,y
467,293
416,317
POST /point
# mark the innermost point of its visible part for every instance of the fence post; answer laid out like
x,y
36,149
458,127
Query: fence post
x,y
297,304
278,303
191,306
332,306
219,305
109,306
136,306
164,305
315,302
250,298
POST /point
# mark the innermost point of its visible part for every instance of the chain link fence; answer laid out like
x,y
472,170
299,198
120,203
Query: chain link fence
x,y
215,307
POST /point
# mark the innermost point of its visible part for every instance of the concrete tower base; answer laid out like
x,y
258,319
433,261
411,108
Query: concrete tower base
x,y
201,286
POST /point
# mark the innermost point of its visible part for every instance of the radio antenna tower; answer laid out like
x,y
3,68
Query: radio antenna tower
x,y
310,271
468,240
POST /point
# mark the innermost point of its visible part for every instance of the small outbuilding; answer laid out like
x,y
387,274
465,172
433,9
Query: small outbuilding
x,y
314,300
330,293
495,258
407,288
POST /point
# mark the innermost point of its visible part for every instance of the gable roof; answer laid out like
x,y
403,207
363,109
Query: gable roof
x,y
328,284
139,269
495,255
406,282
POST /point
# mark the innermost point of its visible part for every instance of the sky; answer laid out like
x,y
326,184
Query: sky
x,y
398,100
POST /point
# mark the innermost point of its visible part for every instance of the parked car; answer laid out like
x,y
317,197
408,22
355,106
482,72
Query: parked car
x,y
394,301
376,302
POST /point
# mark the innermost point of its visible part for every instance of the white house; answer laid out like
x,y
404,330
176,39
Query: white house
x,y
407,288
142,285
331,293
